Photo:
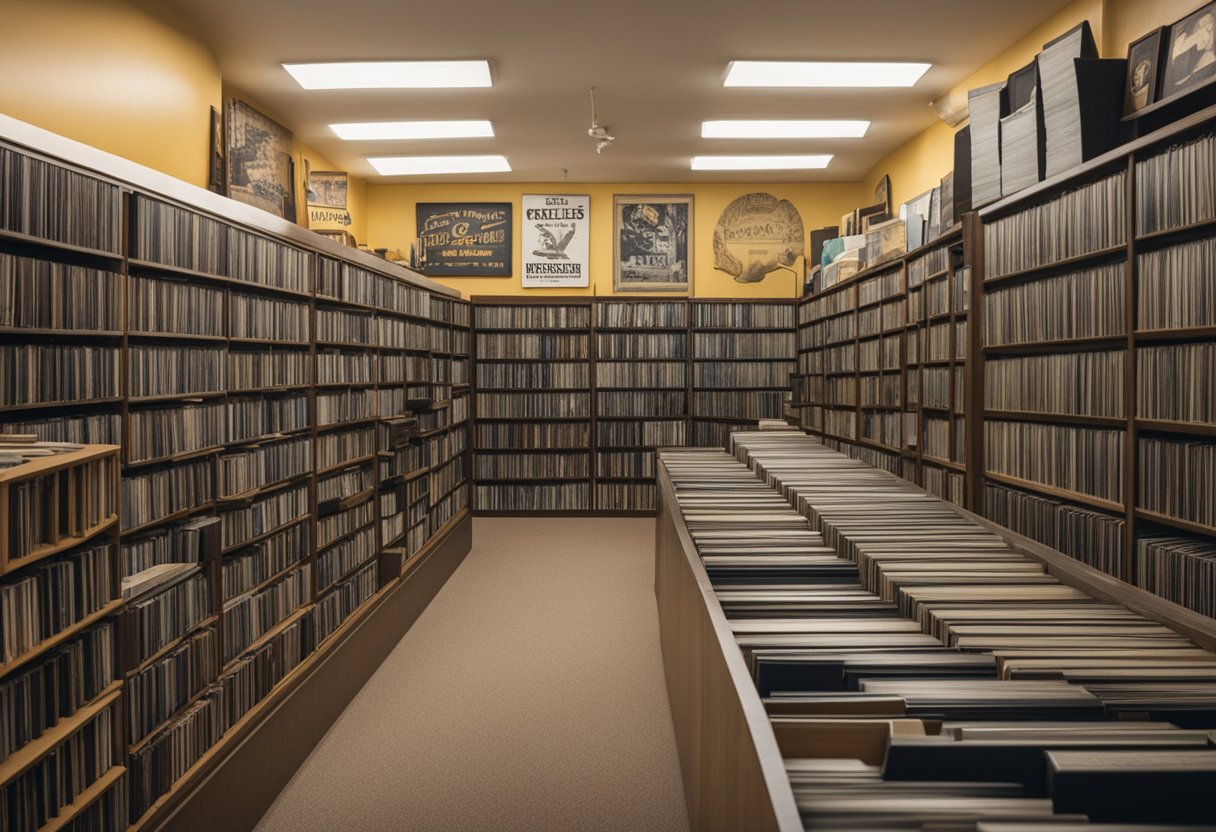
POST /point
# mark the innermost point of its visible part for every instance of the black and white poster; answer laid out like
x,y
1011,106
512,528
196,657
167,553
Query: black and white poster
x,y
652,243
464,239
556,236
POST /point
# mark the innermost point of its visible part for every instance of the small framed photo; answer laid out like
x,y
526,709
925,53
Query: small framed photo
x,y
1191,58
1143,71
652,243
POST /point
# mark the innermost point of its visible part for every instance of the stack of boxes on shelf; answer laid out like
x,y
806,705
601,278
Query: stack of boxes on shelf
x,y
1078,408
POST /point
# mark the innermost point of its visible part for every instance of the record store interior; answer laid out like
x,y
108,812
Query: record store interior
x,y
607,416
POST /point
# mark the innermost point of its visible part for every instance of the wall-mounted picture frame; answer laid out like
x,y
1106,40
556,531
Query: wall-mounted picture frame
x,y
215,162
1144,59
1191,56
328,188
652,243
555,241
259,160
464,239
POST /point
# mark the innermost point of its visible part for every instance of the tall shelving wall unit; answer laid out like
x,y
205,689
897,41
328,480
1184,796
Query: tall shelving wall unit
x,y
1057,366
244,365
608,380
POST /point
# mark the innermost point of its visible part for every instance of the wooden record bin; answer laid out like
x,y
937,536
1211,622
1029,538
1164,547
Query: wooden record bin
x,y
79,490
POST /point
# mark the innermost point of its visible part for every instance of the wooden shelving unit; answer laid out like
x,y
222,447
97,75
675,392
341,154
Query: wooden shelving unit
x,y
411,336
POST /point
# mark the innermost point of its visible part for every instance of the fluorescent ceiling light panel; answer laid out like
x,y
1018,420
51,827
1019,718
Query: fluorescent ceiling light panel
x,y
421,165
391,75
784,129
376,130
814,162
822,74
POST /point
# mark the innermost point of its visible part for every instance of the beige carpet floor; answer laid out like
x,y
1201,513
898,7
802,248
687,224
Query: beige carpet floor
x,y
528,696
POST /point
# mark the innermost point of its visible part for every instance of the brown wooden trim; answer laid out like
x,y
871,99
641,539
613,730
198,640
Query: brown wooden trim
x,y
734,774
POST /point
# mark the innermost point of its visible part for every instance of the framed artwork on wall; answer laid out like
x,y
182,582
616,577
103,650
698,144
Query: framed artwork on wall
x,y
652,243
464,239
259,161
1191,57
555,240
1143,71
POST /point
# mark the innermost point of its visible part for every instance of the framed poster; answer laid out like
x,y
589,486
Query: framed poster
x,y
215,165
464,239
259,160
652,243
1143,71
327,200
1191,59
555,240
327,188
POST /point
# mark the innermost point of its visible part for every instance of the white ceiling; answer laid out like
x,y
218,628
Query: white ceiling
x,y
657,66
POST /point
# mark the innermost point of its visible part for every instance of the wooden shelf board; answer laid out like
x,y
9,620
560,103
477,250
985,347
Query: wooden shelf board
x,y
1067,345
1175,522
64,543
1093,258
28,754
84,800
264,535
270,633
112,258
1053,491
165,649
1056,418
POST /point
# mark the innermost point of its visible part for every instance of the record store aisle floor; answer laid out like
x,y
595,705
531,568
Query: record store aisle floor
x,y
528,696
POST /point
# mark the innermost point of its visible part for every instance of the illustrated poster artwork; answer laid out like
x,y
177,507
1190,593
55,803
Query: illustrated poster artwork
x,y
1192,51
652,243
259,160
556,240
757,234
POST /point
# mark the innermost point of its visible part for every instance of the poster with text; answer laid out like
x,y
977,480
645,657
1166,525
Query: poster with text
x,y
556,240
652,243
464,239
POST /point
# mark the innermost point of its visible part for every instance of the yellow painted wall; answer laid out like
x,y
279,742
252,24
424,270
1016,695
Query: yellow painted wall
x,y
391,224
1128,20
919,164
107,74
356,188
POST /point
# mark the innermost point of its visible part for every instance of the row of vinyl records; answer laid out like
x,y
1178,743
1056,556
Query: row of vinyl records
x,y
611,375
1176,289
1006,685
172,236
50,597
148,496
654,404
562,497
1170,471
880,304
44,200
1174,382
886,389
721,345
636,314
43,294
51,373
634,464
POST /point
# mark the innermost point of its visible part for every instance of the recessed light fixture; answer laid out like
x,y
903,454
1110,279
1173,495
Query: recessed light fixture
x,y
420,165
376,130
783,129
391,75
822,74
814,162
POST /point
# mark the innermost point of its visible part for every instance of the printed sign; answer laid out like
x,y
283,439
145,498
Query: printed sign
x,y
556,238
464,239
